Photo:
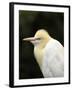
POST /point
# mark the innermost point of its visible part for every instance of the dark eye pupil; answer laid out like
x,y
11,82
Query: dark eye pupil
x,y
38,38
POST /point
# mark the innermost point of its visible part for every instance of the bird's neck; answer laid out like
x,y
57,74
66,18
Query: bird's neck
x,y
38,53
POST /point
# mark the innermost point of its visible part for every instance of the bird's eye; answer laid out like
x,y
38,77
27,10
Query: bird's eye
x,y
38,39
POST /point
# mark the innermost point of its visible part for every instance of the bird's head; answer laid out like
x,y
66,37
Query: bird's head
x,y
40,39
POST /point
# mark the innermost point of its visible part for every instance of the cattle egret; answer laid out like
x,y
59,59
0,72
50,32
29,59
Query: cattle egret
x,y
49,54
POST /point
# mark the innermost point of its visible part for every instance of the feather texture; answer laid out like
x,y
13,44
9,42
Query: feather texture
x,y
53,60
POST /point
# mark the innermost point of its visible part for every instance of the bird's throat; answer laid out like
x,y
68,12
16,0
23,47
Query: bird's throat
x,y
38,53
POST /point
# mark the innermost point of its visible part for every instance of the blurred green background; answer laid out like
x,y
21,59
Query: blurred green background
x,y
29,23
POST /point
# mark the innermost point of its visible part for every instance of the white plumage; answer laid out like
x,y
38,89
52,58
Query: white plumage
x,y
49,54
53,64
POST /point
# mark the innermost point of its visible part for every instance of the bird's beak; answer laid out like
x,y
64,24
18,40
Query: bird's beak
x,y
30,39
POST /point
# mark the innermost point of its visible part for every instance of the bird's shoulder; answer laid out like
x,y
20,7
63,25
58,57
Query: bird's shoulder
x,y
53,46
53,51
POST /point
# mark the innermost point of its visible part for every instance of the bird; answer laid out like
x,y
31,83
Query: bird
x,y
49,54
